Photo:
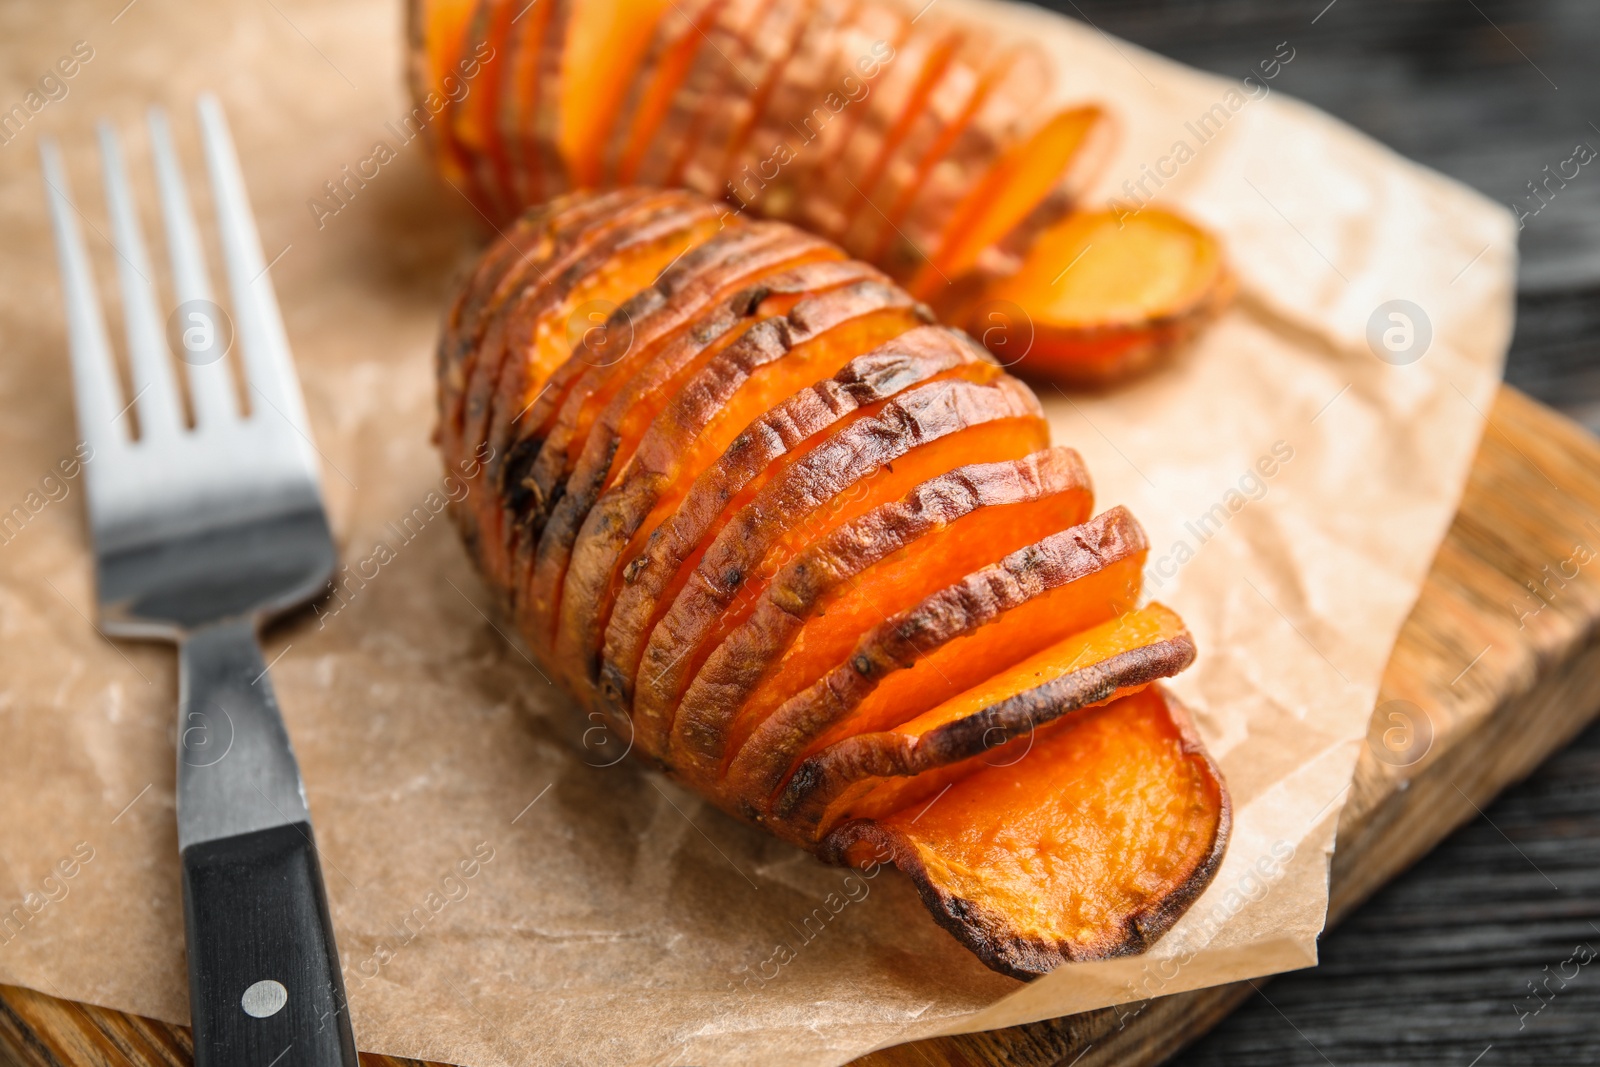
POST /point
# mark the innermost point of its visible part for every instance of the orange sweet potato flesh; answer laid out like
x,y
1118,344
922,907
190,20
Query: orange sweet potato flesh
x,y
535,338
473,118
777,358
679,36
1109,297
604,46
884,562
723,348
641,590
1036,182
867,772
1090,845
929,431
950,641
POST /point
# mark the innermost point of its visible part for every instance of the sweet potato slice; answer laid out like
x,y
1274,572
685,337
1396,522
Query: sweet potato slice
x,y
818,126
967,77
881,119
1091,845
777,358
1110,297
952,640
883,563
1033,185
870,772
669,535
715,70
533,335
604,45
916,437
733,114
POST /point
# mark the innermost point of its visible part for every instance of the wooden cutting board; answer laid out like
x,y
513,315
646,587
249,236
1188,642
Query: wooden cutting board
x,y
1499,663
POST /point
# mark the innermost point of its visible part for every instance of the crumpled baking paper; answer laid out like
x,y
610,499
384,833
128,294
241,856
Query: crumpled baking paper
x,y
503,891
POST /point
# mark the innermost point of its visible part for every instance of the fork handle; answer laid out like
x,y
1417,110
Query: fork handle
x,y
264,983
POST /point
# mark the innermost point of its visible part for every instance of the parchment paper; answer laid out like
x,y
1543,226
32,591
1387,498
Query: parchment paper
x,y
500,898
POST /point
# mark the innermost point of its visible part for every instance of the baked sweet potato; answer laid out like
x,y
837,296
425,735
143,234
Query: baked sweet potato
x,y
910,136
813,556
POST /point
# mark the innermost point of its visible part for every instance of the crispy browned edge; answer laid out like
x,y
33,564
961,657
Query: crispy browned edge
x,y
980,599
890,369
725,570
889,754
1027,958
734,670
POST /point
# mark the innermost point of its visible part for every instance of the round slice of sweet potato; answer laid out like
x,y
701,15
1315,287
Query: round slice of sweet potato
x,y
885,562
1092,667
916,436
1108,297
776,358
644,586
1089,844
951,641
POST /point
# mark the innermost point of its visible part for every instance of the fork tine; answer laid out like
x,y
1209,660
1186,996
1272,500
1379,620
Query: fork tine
x,y
269,368
210,390
154,390
96,394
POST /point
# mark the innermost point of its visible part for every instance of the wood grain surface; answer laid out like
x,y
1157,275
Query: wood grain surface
x,y
1497,692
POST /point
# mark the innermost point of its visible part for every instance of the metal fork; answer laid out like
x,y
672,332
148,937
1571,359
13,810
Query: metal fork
x,y
200,535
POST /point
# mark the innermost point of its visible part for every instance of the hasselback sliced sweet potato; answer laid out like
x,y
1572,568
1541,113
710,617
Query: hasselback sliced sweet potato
x,y
603,47
812,556
928,431
1090,845
1091,667
775,359
951,641
1107,297
883,563
677,40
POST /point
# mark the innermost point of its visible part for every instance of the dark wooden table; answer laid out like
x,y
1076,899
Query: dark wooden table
x,y
1449,964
